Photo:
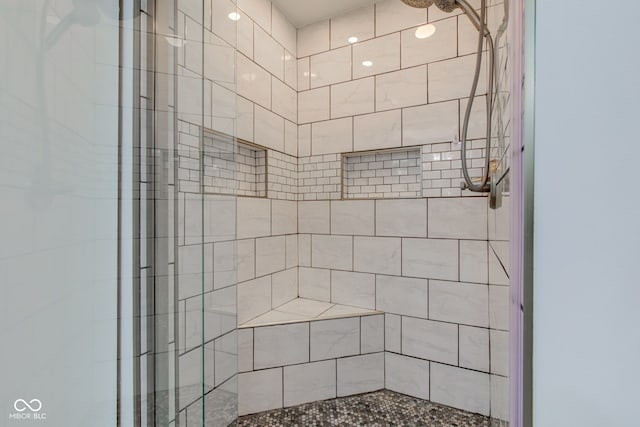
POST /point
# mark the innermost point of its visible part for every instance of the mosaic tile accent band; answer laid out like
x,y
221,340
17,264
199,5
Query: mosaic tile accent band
x,y
282,176
319,177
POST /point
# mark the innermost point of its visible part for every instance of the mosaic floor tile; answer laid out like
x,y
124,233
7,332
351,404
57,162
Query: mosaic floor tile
x,y
380,409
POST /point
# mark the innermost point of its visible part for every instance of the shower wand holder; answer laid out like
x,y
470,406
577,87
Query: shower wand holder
x,y
485,189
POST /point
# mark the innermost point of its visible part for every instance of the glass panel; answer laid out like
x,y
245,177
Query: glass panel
x,y
112,302
59,108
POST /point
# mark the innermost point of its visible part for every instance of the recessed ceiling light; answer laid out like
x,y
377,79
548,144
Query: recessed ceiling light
x,y
425,31
234,16
352,39
367,63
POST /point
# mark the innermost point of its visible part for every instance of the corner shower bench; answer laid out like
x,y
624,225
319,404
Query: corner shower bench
x,y
307,350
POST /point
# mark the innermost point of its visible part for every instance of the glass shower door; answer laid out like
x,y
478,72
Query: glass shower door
x,y
187,355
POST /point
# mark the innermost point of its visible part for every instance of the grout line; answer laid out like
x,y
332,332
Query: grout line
x,y
458,336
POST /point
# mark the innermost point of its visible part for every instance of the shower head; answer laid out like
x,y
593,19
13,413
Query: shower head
x,y
449,6
422,4
444,5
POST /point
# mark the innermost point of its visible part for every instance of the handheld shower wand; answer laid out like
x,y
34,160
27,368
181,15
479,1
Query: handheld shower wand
x,y
483,33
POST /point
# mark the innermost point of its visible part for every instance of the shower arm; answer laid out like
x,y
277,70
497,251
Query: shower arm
x,y
472,15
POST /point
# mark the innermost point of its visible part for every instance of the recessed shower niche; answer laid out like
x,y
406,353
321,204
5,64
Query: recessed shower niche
x,y
232,166
382,174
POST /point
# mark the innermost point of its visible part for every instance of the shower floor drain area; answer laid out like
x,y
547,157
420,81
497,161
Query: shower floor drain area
x,y
379,409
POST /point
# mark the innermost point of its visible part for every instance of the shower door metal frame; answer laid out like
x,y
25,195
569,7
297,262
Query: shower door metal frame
x,y
521,248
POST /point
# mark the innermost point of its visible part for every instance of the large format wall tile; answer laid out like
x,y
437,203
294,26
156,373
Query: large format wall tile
x,y
458,218
377,130
392,16
270,255
254,82
268,53
259,11
331,67
313,38
465,303
441,45
353,97
313,217
254,217
392,332
460,388
335,338
281,345
377,255
383,55
284,217
259,391
334,252
425,339
269,129
407,375
354,289
474,348
372,333
353,217
401,218
283,31
245,350
451,79
284,287
285,100
358,23
402,88
332,136
430,123
309,382
360,374
254,298
401,295
314,283
474,261
313,105
430,258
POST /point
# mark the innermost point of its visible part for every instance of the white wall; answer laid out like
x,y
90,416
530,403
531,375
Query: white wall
x,y
587,233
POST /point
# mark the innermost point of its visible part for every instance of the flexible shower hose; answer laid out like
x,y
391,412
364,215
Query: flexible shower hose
x,y
468,183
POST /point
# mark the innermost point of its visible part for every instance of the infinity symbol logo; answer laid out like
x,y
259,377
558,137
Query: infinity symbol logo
x,y
21,405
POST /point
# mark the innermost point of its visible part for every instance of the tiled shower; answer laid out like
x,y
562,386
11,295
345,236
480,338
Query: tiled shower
x,y
324,245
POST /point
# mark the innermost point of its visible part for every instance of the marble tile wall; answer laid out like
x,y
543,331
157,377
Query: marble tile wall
x,y
446,329
267,112
291,364
366,82
426,264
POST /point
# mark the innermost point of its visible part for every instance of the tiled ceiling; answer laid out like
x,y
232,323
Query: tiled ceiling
x,y
304,12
